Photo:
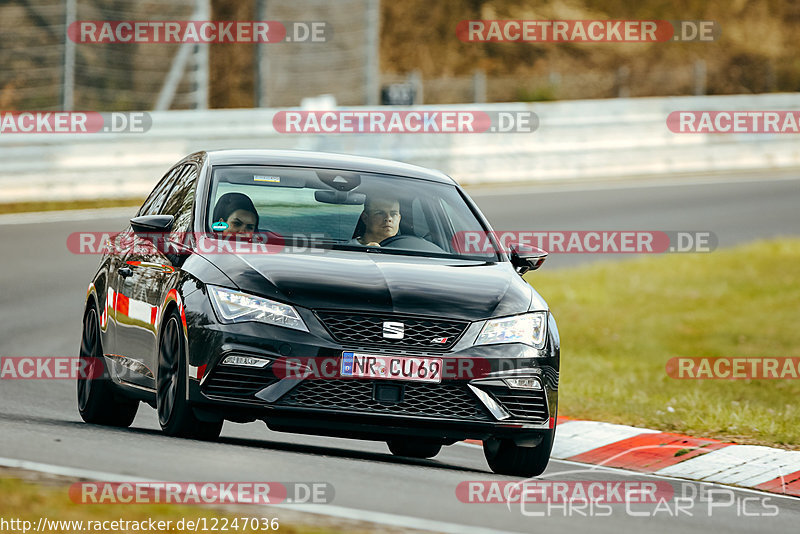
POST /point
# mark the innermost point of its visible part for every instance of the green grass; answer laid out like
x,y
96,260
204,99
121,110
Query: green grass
x,y
620,322
55,205
28,501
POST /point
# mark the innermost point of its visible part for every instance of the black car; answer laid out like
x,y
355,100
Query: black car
x,y
244,266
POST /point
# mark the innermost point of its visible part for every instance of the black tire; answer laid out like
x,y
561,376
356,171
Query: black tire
x,y
98,403
507,458
175,414
416,448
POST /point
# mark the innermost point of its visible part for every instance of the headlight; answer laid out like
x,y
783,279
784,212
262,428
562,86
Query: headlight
x,y
236,307
528,328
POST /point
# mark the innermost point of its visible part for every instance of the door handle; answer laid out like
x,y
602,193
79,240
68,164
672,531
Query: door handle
x,y
125,272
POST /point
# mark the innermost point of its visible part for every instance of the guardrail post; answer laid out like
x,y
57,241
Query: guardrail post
x,y
623,82
479,86
415,79
700,77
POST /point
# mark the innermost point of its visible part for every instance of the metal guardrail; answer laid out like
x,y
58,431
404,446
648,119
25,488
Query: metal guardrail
x,y
576,140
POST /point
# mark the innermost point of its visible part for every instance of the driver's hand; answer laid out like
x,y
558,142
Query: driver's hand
x,y
373,244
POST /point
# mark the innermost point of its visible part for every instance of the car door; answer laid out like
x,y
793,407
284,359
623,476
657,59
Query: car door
x,y
142,269
120,244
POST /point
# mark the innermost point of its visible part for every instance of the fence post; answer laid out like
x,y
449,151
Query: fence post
x,y
623,82
699,77
372,44
201,56
479,86
68,87
261,61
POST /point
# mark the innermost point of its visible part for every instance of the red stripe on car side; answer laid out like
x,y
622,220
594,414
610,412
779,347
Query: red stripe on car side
x,y
122,304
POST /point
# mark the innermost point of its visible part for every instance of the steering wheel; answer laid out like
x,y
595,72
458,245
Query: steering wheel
x,y
394,239
410,242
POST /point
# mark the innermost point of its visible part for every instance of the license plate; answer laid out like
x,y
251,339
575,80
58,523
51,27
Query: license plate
x,y
381,366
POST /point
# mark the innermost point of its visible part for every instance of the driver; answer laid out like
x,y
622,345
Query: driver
x,y
381,218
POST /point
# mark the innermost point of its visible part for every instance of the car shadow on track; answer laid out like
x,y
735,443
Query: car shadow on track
x,y
300,448
319,450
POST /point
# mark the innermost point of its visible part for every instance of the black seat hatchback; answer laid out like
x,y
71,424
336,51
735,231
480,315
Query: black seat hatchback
x,y
324,294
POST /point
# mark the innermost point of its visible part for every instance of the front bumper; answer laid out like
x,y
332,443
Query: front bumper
x,y
477,406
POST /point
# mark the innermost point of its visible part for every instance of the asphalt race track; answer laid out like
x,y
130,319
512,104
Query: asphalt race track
x,y
40,312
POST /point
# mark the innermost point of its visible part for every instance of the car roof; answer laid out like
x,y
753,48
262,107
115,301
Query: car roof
x,y
304,158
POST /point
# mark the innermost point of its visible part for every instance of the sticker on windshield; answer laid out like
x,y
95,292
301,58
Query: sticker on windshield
x,y
219,226
270,179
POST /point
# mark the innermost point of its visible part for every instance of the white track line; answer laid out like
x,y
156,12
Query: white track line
x,y
486,190
587,468
35,217
394,520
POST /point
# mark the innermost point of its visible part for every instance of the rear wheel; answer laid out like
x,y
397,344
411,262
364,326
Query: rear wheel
x,y
175,415
98,403
507,458
414,448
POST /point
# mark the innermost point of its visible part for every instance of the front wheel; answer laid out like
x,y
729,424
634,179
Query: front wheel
x,y
417,448
97,401
507,458
175,415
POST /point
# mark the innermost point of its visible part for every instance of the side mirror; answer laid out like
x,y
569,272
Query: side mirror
x,y
155,229
152,223
526,258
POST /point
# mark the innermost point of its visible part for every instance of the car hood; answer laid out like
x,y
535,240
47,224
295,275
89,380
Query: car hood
x,y
386,283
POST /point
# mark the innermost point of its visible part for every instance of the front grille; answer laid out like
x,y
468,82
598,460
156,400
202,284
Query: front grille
x,y
521,403
238,383
362,329
445,400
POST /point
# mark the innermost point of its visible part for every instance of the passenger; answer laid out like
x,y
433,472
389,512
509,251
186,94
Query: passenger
x,y
381,220
237,211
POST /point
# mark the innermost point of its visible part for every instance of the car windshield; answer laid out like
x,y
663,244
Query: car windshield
x,y
344,210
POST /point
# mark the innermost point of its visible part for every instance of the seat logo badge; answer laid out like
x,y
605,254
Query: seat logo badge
x,y
393,330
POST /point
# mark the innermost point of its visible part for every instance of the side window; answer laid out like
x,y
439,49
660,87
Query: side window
x,y
152,205
454,218
421,228
181,200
